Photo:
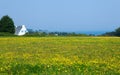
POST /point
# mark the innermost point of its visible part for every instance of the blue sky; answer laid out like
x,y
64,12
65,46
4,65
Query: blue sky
x,y
64,15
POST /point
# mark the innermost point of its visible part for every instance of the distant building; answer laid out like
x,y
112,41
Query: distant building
x,y
20,30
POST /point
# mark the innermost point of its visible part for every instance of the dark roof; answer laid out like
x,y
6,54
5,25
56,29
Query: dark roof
x,y
17,30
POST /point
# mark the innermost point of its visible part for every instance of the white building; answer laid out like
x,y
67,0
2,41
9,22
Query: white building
x,y
20,30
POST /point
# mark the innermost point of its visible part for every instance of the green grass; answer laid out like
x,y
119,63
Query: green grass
x,y
59,56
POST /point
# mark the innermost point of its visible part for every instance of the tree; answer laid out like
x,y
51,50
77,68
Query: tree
x,y
113,33
117,32
7,25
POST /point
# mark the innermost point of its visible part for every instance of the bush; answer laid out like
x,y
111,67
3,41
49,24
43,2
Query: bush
x,y
6,34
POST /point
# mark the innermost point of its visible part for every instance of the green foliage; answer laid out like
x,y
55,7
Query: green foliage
x,y
118,29
114,33
7,25
117,32
52,34
6,34
36,34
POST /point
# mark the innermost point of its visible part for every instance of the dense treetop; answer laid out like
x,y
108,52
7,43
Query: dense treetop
x,y
7,25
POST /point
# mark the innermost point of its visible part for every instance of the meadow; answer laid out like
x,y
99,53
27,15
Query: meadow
x,y
59,56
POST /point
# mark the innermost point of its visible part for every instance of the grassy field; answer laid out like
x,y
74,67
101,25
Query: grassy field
x,y
59,56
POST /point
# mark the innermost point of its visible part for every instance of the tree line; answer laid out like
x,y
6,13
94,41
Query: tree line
x,y
45,33
116,32
7,27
